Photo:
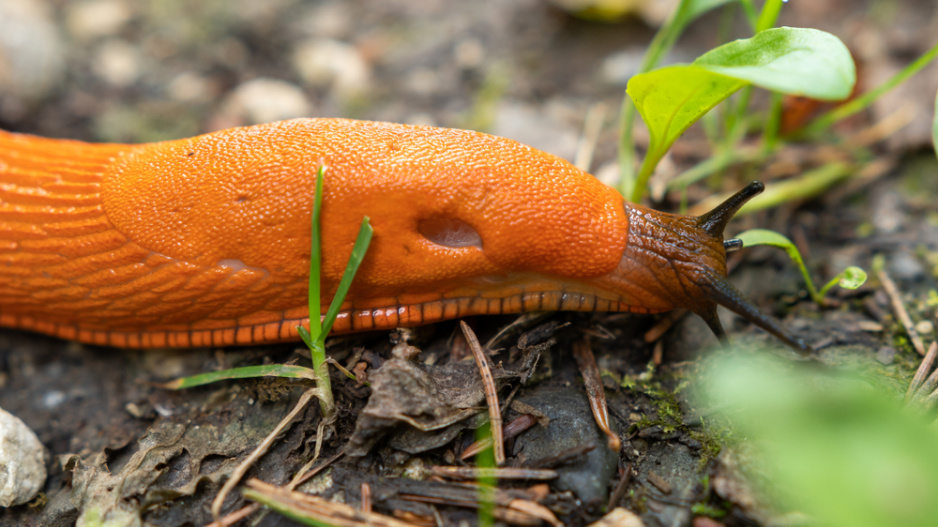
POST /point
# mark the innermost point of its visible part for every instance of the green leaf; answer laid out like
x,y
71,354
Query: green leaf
x,y
767,237
687,11
315,260
852,277
355,259
247,372
790,60
671,99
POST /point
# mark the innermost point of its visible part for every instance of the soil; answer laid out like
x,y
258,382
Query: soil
x,y
116,70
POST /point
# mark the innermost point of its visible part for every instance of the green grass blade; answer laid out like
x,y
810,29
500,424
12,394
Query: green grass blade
x,y
864,101
247,372
769,15
355,259
315,262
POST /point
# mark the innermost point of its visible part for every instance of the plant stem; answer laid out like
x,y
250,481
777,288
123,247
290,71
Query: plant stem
x,y
662,42
769,15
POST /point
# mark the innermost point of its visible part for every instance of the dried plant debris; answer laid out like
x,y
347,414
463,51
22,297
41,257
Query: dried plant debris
x,y
425,405
172,461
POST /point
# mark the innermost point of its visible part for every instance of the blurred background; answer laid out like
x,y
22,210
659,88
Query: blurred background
x,y
127,71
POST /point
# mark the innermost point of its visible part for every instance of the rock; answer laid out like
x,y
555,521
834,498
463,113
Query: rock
x,y
97,18
571,427
22,461
265,100
329,63
537,126
31,60
117,63
619,517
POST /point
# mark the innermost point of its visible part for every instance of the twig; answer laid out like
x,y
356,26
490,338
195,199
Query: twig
x,y
236,516
594,391
491,396
475,473
619,491
922,371
301,506
899,309
366,498
261,449
302,476
592,126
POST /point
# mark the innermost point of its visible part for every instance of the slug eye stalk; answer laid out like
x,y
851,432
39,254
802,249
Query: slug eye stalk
x,y
720,291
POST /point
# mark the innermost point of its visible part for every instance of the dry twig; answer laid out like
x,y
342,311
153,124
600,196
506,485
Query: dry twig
x,y
491,396
594,391
895,299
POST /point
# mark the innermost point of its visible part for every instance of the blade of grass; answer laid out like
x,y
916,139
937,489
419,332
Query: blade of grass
x,y
315,261
266,370
355,259
317,345
864,101
769,15
315,337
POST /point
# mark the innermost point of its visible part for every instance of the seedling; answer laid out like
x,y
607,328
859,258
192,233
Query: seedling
x,y
850,278
315,337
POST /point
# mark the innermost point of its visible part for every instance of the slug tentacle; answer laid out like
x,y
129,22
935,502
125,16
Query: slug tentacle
x,y
714,222
721,291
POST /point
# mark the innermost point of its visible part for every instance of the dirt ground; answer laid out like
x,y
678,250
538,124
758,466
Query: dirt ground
x,y
116,70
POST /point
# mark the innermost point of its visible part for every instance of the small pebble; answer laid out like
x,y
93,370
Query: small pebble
x,y
925,327
117,63
97,18
266,100
886,355
469,54
619,517
329,63
53,399
22,462
31,57
190,87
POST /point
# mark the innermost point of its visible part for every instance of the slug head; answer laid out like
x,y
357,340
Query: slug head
x,y
680,261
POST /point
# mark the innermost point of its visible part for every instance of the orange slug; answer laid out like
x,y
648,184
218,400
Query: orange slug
x,y
205,241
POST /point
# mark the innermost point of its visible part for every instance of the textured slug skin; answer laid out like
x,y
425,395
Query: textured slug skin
x,y
205,241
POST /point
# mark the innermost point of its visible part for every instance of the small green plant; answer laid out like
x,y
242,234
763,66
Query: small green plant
x,y
850,278
829,444
784,60
315,337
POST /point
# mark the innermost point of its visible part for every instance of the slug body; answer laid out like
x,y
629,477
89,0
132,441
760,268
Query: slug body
x,y
205,241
